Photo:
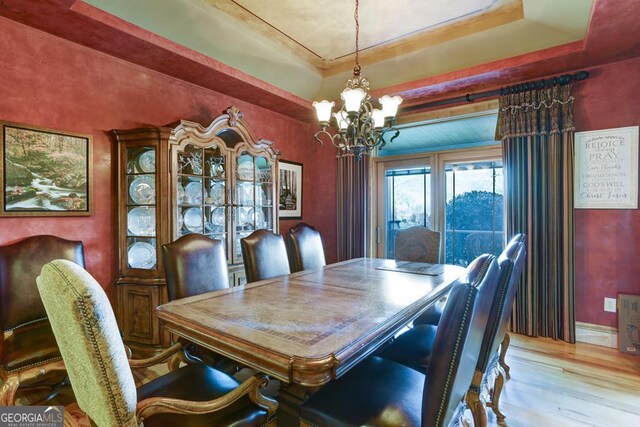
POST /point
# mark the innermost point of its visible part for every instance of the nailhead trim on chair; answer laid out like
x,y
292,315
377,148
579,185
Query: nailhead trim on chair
x,y
455,353
25,324
34,364
91,335
474,290
496,321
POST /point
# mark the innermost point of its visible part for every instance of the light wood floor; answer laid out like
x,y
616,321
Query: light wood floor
x,y
557,384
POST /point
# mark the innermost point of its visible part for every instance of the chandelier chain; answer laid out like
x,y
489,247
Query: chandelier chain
x,y
356,69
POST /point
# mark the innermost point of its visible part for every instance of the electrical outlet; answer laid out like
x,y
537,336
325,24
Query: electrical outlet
x,y
610,305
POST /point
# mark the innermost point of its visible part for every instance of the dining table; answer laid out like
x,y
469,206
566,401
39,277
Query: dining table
x,y
310,327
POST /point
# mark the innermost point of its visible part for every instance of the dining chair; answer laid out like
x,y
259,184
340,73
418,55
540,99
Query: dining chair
x,y
418,244
415,347
264,255
305,249
432,316
195,264
30,355
86,330
381,392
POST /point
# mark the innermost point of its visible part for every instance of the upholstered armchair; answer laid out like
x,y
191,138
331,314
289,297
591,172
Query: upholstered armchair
x,y
85,328
305,249
265,255
418,244
30,355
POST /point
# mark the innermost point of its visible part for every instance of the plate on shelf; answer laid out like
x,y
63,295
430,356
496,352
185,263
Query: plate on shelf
x,y
245,193
180,193
147,161
193,219
143,190
193,192
217,218
142,255
217,193
245,169
180,220
260,222
261,197
141,221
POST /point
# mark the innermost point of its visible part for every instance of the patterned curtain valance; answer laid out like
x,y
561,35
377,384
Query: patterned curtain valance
x,y
544,111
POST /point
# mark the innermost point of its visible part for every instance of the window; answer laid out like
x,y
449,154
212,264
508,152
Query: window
x,y
473,210
408,203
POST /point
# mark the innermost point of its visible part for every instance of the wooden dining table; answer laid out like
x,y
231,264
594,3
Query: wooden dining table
x,y
310,327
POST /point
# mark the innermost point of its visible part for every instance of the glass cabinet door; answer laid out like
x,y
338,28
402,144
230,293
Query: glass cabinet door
x,y
253,198
141,208
201,192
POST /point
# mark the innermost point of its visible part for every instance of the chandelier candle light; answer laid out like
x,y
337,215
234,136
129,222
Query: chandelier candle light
x,y
359,126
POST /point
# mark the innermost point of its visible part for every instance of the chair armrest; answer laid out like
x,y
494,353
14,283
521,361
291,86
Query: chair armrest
x,y
252,386
160,357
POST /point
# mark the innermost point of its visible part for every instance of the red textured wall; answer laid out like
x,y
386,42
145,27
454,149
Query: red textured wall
x,y
607,242
50,82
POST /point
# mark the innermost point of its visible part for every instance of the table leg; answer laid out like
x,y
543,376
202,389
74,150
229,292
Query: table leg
x,y
290,398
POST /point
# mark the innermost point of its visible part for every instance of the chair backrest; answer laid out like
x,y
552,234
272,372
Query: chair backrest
x,y
419,244
511,262
20,264
194,264
457,342
87,334
265,255
304,245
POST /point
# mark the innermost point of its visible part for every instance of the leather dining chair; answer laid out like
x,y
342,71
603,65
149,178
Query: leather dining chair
x,y
195,264
265,256
305,249
432,316
415,347
380,392
27,346
86,330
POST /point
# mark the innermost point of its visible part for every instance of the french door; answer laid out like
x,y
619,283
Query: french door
x,y
457,192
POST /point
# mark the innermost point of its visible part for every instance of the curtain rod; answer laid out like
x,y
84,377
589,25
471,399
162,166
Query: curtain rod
x,y
536,84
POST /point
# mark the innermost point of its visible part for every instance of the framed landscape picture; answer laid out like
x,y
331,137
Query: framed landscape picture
x,y
290,190
44,172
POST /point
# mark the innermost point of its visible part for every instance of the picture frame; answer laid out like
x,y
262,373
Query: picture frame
x,y
606,169
289,190
44,172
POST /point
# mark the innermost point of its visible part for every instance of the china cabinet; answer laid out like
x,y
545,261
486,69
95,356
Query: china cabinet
x,y
219,181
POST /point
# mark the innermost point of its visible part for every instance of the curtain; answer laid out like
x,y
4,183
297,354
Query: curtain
x,y
352,205
536,129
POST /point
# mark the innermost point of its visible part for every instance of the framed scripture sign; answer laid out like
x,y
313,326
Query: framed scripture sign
x,y
606,169
290,190
44,172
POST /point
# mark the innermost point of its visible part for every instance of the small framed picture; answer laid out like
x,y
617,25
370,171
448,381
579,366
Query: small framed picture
x,y
44,172
290,190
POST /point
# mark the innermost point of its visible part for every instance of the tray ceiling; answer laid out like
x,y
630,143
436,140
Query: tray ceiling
x,y
306,46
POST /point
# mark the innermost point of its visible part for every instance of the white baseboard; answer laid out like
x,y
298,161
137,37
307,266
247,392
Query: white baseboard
x,y
589,333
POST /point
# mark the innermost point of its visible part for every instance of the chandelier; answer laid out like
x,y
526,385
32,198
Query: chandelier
x,y
359,127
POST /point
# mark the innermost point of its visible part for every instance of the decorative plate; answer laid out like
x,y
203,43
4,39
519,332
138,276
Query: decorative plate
x,y
143,190
141,221
180,220
193,192
217,217
142,255
217,193
193,219
245,170
180,192
147,161
245,193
